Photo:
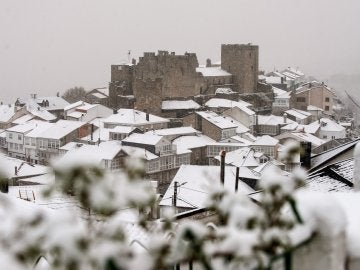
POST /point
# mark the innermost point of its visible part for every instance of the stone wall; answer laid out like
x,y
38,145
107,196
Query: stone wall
x,y
148,95
178,73
243,62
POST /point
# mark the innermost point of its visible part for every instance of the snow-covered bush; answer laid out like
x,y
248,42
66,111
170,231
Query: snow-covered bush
x,y
245,234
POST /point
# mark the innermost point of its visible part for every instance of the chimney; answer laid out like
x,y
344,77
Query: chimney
x,y
356,177
222,166
282,79
4,185
115,111
255,131
92,131
305,154
285,117
208,62
16,170
133,61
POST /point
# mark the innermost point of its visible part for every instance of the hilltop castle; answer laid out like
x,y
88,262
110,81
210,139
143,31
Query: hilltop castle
x,y
167,76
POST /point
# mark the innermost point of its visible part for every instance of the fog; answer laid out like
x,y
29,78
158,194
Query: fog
x,y
50,46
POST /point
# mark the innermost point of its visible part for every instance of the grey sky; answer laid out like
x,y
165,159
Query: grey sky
x,y
51,45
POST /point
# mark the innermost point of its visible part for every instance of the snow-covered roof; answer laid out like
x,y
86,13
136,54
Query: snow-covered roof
x,y
295,71
212,71
75,114
240,127
273,80
327,124
265,140
104,151
239,139
318,160
100,133
6,112
148,138
272,120
137,152
174,131
24,169
103,90
23,119
335,177
128,117
122,129
217,120
226,103
190,142
302,136
196,183
38,111
279,93
223,90
60,129
313,108
71,146
99,95
299,114
55,102
74,105
179,105
243,157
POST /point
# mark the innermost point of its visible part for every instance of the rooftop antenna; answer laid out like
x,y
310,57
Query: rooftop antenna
x,y
129,54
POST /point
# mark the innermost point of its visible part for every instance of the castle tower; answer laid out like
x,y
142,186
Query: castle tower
x,y
243,62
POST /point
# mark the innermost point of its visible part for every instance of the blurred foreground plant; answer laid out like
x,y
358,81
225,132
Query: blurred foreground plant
x,y
245,236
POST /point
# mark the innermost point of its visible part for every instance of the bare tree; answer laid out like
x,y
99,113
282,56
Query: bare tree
x,y
74,94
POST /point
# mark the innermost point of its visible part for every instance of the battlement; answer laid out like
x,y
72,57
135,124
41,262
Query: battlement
x,y
248,46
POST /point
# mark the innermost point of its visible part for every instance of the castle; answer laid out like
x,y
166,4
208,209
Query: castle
x,y
166,76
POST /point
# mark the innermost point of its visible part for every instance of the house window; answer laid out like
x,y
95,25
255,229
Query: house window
x,y
333,137
324,136
327,99
327,108
10,136
300,99
19,137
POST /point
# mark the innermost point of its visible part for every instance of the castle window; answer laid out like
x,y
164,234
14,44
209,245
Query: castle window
x,y
327,99
252,67
327,108
250,54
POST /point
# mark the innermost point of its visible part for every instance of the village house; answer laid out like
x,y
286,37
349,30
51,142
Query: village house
x,y
215,126
31,151
299,116
9,113
219,105
193,183
170,158
109,155
85,112
98,96
315,94
242,114
53,104
197,144
178,108
62,132
15,139
269,124
300,137
281,101
214,77
173,133
135,118
267,145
